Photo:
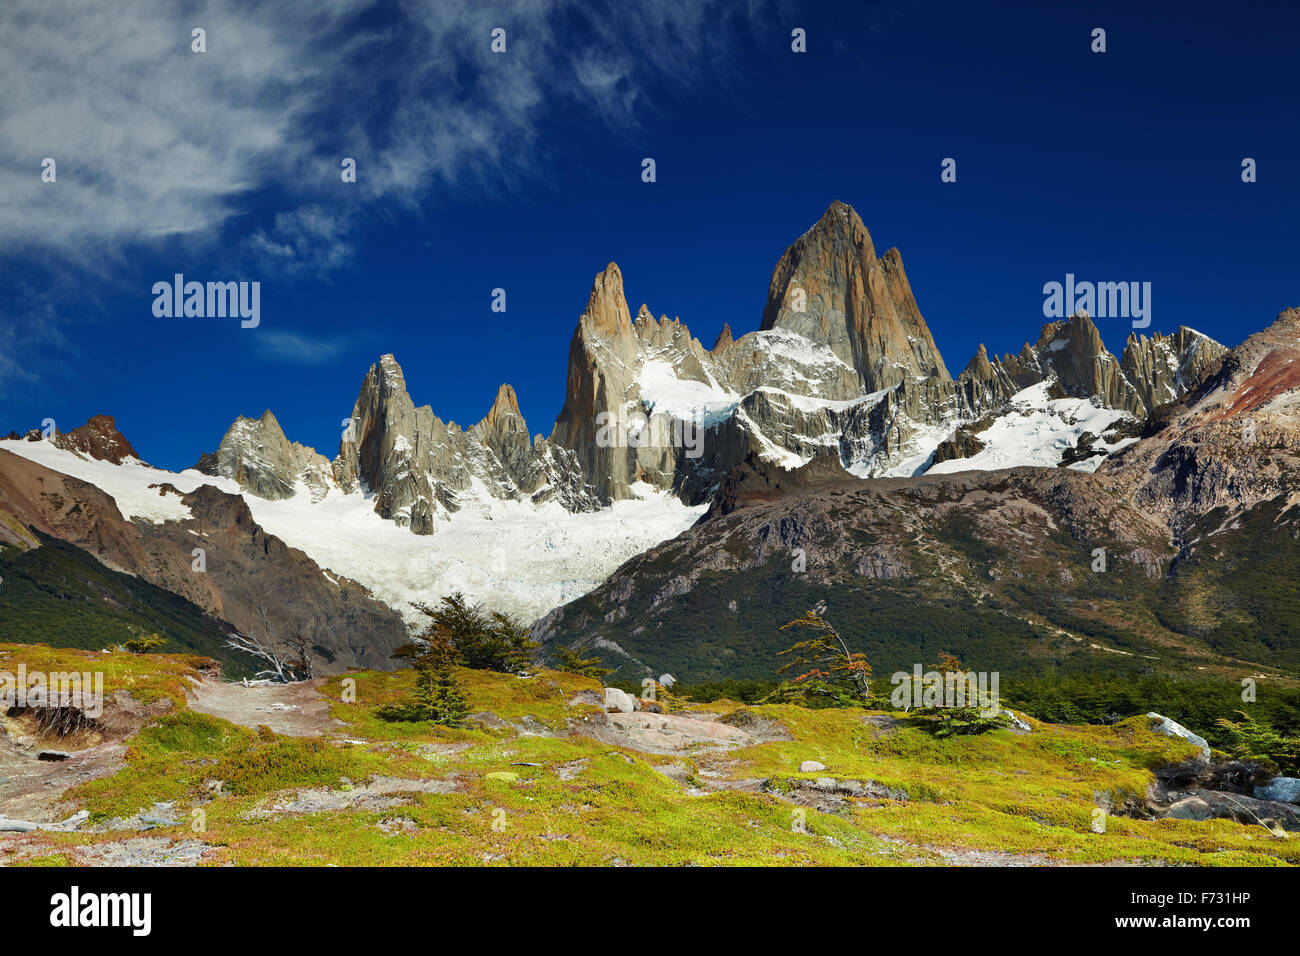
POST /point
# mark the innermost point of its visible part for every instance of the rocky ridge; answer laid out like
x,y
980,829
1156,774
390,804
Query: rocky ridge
x,y
843,365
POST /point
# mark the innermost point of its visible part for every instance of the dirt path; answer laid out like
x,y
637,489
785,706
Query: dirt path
x,y
295,710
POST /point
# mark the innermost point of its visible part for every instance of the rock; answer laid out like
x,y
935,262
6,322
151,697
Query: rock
x,y
1191,808
505,776
621,701
586,698
98,438
1016,723
1171,728
1281,789
829,287
811,766
255,453
824,783
1220,805
18,826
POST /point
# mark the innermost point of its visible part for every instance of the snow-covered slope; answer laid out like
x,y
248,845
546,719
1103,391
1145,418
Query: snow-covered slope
x,y
1038,430
514,556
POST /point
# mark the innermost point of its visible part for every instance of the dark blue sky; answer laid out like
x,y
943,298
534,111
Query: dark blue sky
x,y
1117,166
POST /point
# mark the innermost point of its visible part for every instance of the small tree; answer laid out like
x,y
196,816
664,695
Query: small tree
x,y
828,674
437,697
143,643
1253,740
571,662
959,721
493,642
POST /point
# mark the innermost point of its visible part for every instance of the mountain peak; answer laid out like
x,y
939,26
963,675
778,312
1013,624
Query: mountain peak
x,y
506,403
606,313
829,287
98,438
724,339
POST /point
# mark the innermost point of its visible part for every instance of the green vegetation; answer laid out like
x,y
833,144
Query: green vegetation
x,y
1253,740
535,787
472,637
571,662
437,697
1237,589
143,643
827,673
59,594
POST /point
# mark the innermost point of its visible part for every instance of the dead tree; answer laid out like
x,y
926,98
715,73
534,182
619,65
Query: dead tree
x,y
290,661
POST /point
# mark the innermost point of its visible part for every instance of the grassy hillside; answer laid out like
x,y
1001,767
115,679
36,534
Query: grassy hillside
x,y
533,784
61,595
1020,598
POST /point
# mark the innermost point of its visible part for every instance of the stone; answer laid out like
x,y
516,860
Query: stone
x,y
1281,789
620,701
811,766
1191,808
1171,728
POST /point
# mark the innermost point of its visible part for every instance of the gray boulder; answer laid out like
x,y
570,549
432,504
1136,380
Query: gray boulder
x,y
1281,789
1171,728
617,700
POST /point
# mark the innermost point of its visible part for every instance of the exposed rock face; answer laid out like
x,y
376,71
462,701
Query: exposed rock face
x,y
252,579
830,288
843,365
416,465
255,453
98,438
272,591
1163,368
1233,441
419,466
1152,371
1172,728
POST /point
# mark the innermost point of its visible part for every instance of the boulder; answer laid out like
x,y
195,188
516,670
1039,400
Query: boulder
x,y
1016,723
1171,728
1192,808
811,766
621,701
1281,789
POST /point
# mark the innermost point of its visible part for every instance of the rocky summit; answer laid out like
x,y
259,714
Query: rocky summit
x,y
842,365
1170,552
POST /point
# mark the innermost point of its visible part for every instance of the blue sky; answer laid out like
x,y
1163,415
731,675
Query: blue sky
x,y
522,171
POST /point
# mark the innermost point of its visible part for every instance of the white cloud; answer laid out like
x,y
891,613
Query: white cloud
x,y
298,349
154,141
237,150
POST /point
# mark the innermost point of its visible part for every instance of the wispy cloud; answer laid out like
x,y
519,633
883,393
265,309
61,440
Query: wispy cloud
x,y
298,349
153,141
237,149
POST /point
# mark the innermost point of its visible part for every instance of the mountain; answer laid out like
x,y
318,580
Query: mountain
x,y
842,376
830,288
843,364
250,581
1196,519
